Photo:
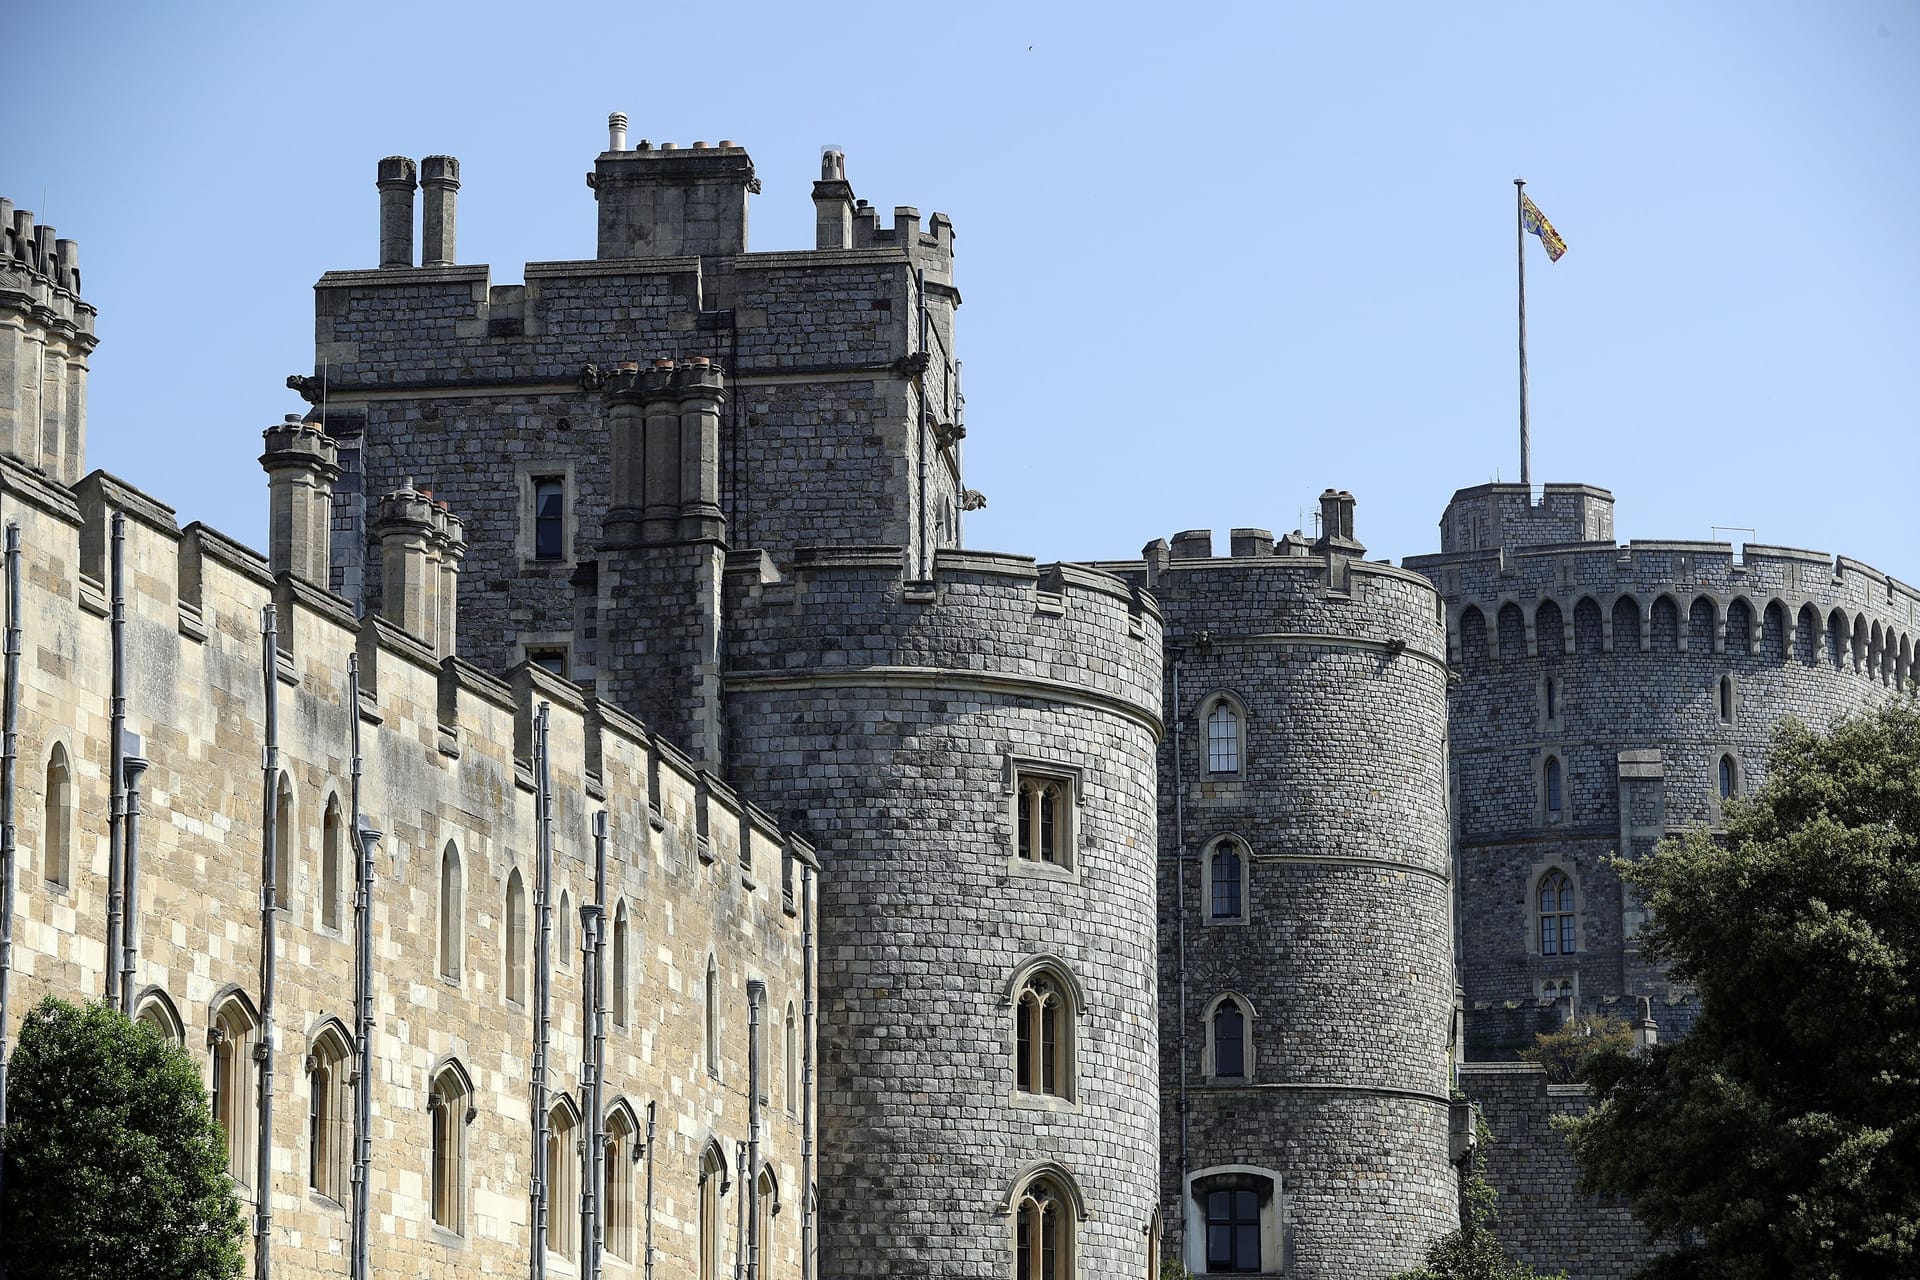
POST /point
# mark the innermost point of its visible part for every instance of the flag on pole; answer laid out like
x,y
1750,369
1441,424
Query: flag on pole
x,y
1535,221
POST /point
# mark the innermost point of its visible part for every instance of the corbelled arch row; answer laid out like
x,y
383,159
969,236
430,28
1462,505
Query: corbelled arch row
x,y
1669,620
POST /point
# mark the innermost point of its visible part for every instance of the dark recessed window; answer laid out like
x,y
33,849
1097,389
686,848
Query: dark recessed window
x,y
1224,871
554,660
1229,1042
1556,914
549,518
1233,1231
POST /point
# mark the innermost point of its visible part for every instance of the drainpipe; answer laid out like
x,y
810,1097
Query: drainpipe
x,y
593,942
270,836
542,977
1178,716
366,839
740,1218
116,766
135,766
806,1072
750,1203
647,1257
9,755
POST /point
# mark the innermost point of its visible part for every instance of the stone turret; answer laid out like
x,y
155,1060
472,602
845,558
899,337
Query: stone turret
x,y
833,202
301,464
46,337
421,545
396,181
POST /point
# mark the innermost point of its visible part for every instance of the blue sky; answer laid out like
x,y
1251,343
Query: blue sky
x,y
1215,258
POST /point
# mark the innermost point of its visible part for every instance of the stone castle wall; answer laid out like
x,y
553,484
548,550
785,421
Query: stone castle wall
x,y
1639,668
895,717
699,876
1544,1219
1343,952
474,390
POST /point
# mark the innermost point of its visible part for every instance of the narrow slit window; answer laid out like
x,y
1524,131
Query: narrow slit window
x,y
1555,796
549,518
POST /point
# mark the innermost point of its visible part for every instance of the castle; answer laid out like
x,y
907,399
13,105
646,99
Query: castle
x,y
617,827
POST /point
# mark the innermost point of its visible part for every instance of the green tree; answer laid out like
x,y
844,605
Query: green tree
x,y
1781,1138
1564,1052
114,1164
1474,1252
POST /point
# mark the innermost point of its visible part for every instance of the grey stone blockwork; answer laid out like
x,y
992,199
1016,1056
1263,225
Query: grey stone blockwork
x,y
1664,658
892,716
1344,954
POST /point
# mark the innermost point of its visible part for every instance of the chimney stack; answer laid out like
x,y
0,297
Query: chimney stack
x,y
833,202
405,524
617,131
396,183
301,463
439,180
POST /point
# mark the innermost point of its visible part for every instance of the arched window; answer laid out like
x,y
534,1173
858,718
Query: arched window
x,y
618,986
516,926
713,1019
1043,1234
450,1104
1227,868
767,1198
1729,777
154,1010
1556,914
332,864
792,1075
1229,1056
563,926
1553,788
1042,819
616,1183
231,1037
563,1180
1726,699
452,916
56,831
1043,1034
713,1185
284,843
1225,734
1550,699
329,1127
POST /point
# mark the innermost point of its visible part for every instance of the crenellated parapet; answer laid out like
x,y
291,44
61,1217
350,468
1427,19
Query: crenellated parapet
x,y
46,338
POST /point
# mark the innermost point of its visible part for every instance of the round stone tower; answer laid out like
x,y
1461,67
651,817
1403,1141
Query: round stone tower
x,y
973,754
1610,695
1306,962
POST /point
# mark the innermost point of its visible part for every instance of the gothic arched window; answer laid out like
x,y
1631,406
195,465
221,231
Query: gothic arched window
x,y
1043,1035
452,917
450,1106
1556,914
1226,740
1227,868
1043,1234
516,927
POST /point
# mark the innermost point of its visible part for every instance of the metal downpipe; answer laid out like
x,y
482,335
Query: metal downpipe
x,y
9,800
366,840
542,999
116,724
270,837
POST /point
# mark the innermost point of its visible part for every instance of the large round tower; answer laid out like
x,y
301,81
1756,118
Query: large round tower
x,y
1611,695
1306,962
974,755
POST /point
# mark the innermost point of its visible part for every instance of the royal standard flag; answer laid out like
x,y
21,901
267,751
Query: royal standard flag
x,y
1535,221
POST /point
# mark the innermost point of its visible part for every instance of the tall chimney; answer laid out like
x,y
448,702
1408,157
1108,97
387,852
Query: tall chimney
x,y
439,180
302,463
702,390
404,525
396,183
450,531
833,202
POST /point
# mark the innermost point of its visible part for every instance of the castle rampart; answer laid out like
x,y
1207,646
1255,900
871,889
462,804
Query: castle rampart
x,y
972,750
699,883
1306,964
46,339
1611,695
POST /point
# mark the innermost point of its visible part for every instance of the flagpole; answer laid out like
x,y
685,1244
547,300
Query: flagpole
x,y
1520,257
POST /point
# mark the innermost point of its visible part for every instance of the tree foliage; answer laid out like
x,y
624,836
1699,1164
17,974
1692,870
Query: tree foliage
x,y
1781,1138
1565,1051
114,1164
1474,1252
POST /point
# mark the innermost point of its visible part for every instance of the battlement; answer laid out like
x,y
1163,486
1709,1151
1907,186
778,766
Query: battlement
x,y
46,336
194,599
1506,515
1666,595
980,617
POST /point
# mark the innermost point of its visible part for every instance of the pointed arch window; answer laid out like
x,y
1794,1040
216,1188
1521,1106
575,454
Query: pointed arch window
x,y
284,843
1554,789
450,1107
616,1183
563,926
792,1063
1043,1035
1229,1054
1556,903
1224,721
56,831
1729,777
231,1038
767,1205
329,1127
156,1011
713,1018
332,864
618,985
713,1185
452,915
1726,699
1042,819
1227,868
563,1180
516,926
1043,1231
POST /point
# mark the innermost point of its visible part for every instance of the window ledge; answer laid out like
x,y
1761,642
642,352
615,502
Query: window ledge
x,y
1038,870
1042,1102
450,1238
1224,921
